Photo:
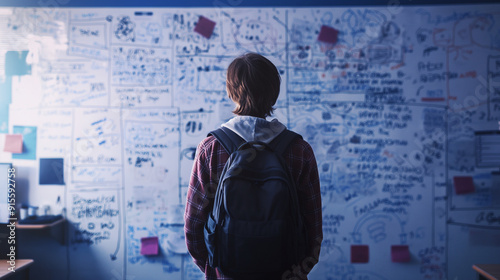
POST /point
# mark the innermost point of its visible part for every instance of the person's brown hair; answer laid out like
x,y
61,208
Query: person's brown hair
x,y
253,83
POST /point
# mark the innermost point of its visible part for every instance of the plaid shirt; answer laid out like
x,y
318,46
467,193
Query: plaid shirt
x,y
208,164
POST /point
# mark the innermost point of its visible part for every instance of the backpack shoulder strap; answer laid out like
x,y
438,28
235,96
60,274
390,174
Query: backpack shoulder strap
x,y
227,138
283,140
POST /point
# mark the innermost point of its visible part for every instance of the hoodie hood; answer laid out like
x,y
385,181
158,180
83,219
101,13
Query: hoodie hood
x,y
255,129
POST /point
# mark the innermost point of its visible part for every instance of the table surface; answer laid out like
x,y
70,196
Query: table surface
x,y
20,265
490,271
39,226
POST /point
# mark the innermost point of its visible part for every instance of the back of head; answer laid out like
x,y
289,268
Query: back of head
x,y
253,83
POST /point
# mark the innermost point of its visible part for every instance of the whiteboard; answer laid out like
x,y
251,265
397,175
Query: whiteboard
x,y
124,95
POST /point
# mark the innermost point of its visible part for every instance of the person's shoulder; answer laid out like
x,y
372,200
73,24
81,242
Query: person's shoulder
x,y
208,141
299,144
207,144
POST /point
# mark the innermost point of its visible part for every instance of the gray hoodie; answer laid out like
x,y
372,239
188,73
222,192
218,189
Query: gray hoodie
x,y
255,129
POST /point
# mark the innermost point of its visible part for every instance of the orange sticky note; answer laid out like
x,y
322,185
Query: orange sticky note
x,y
13,143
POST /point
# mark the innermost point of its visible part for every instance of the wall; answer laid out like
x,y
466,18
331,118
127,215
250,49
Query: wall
x,y
124,95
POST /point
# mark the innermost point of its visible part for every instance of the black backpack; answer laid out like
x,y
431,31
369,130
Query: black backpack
x,y
255,229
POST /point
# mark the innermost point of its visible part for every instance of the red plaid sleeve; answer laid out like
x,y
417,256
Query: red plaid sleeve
x,y
208,164
304,167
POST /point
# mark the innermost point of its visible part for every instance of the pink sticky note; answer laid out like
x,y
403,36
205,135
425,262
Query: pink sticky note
x,y
463,184
149,245
360,253
328,34
13,143
205,27
400,253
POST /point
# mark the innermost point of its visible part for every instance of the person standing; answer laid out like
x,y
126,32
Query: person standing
x,y
253,84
